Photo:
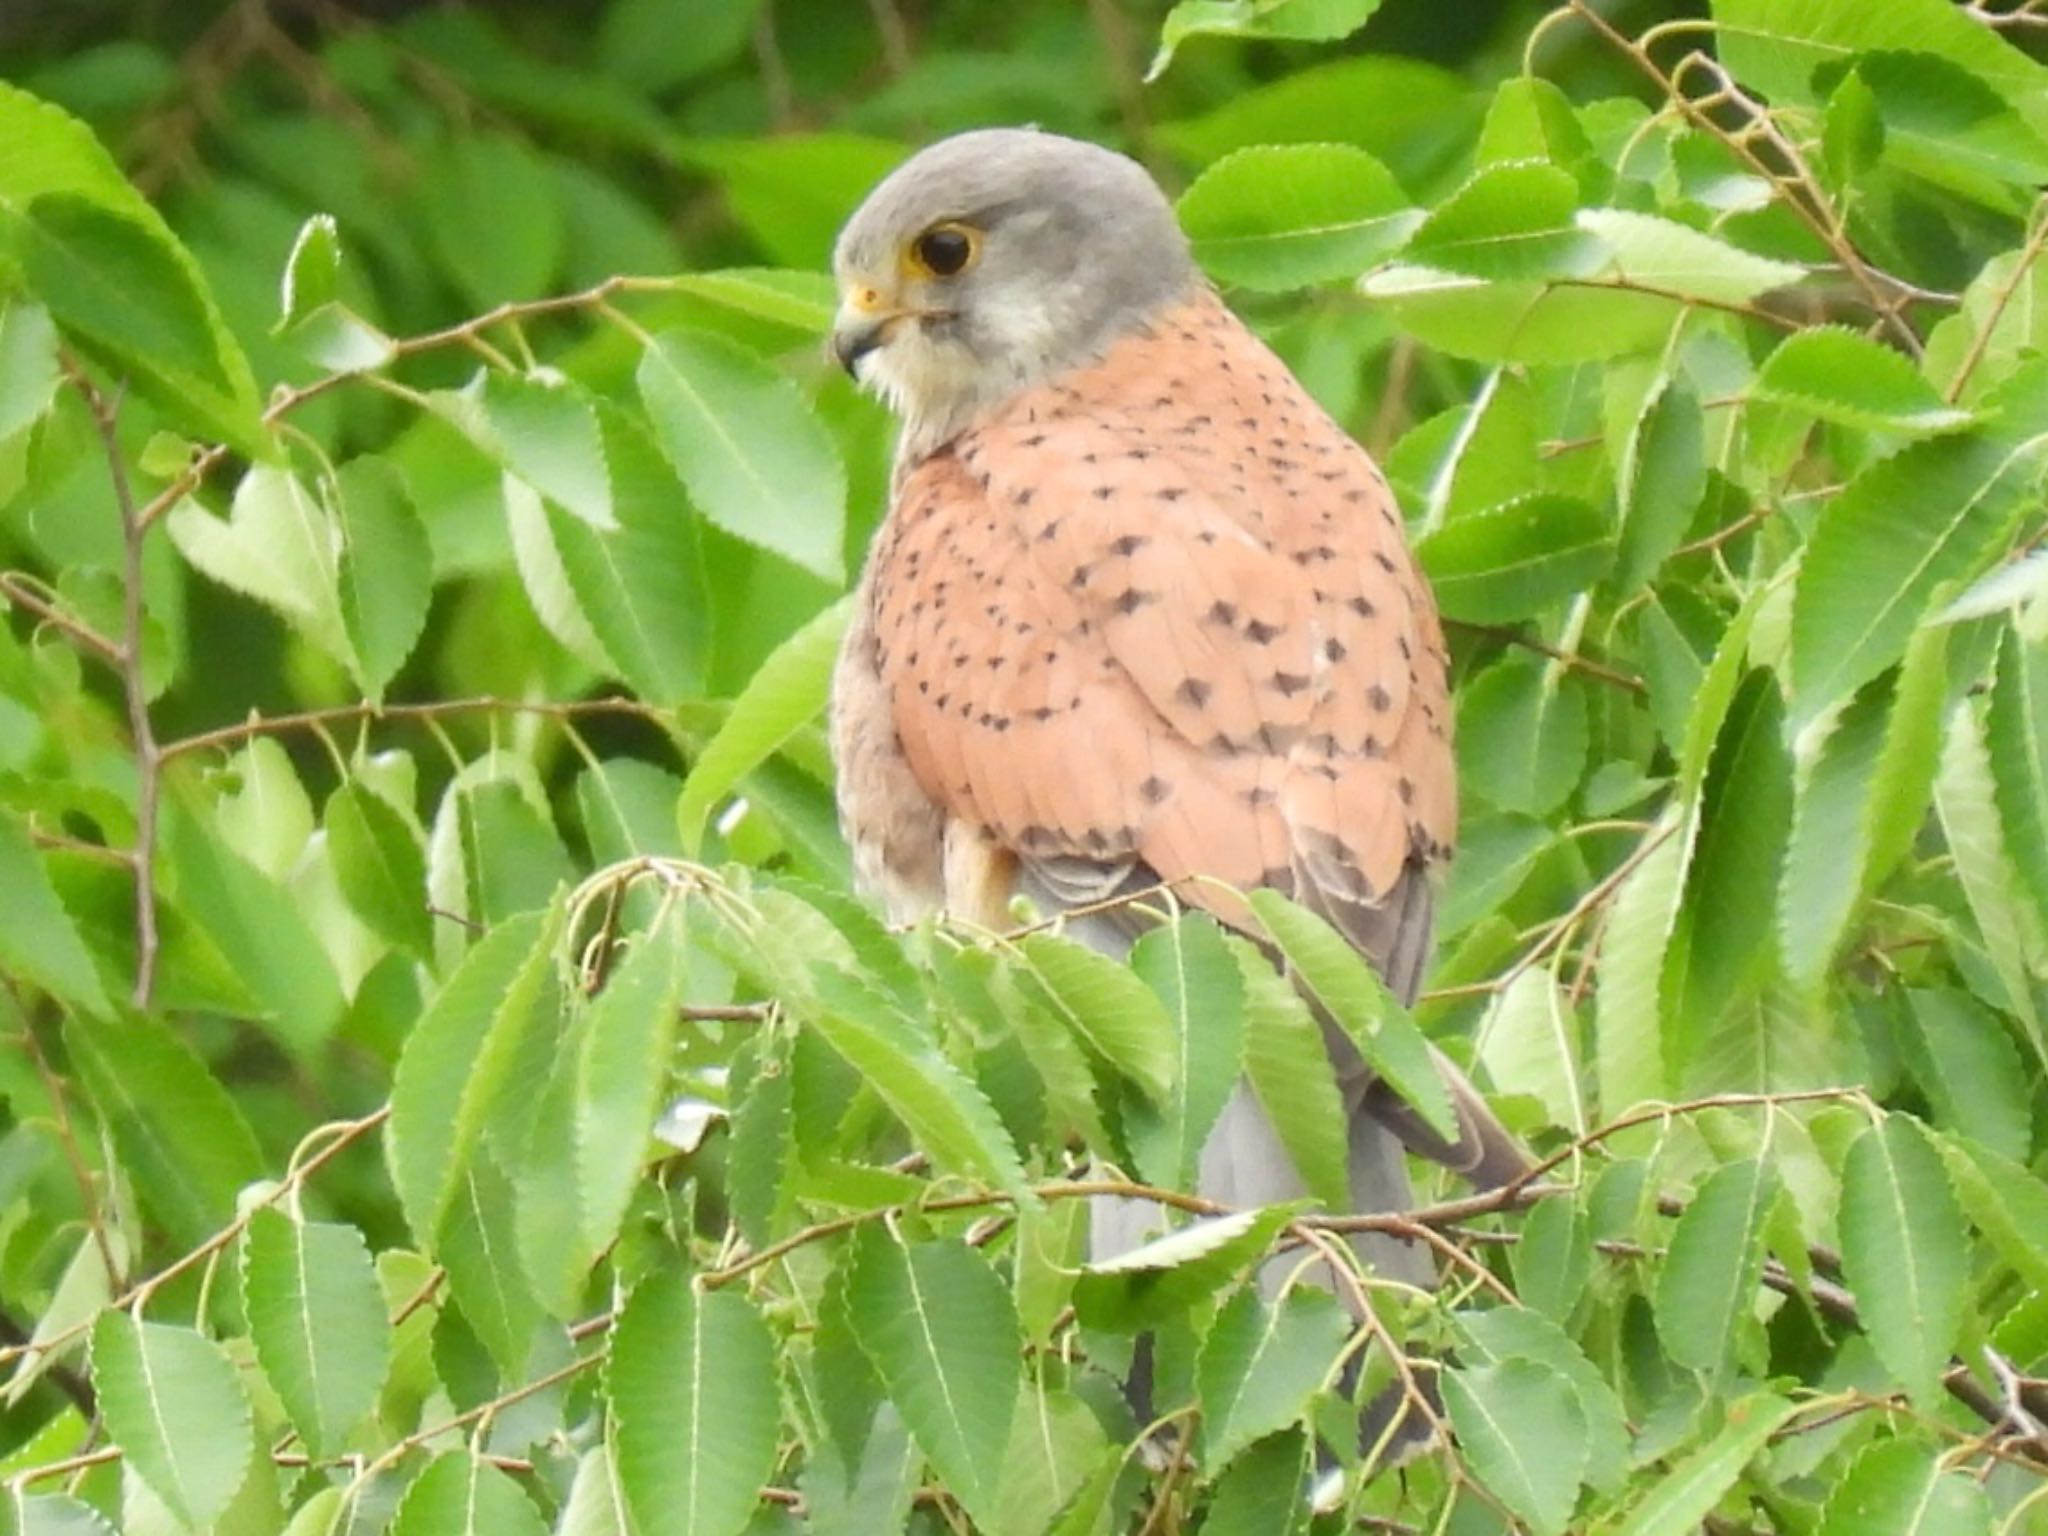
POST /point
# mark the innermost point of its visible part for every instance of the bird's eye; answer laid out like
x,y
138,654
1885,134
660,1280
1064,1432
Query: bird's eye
x,y
945,250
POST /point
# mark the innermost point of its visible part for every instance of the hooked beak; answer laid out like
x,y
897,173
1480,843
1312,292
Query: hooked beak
x,y
853,338
863,323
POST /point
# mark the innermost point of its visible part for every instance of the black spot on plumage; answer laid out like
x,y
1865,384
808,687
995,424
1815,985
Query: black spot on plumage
x,y
1193,691
1221,612
1154,789
1130,600
1261,633
1129,544
1334,649
1288,684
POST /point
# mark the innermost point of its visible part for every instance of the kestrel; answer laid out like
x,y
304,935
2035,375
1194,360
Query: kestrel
x,y
1139,612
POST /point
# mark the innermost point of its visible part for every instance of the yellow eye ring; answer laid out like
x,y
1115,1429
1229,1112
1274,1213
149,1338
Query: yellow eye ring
x,y
944,250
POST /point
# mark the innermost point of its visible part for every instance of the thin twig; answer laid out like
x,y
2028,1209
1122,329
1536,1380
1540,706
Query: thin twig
x,y
128,658
342,714
463,334
1981,342
342,1134
14,588
1512,636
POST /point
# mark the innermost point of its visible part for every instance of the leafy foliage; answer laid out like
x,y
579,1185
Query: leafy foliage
x,y
450,1085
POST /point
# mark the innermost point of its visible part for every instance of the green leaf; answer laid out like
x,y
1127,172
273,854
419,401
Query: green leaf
x,y
594,1506
1675,1505
1107,1006
1843,376
547,434
1511,561
513,860
312,272
1863,801
277,545
641,590
1260,1364
478,1236
1528,1040
1931,514
1523,1433
1512,219
1900,1488
761,1164
173,1406
266,938
1714,694
1159,1280
1829,840
1662,476
1188,966
946,1113
380,866
1290,1071
29,373
316,1317
1531,119
2001,324
1708,1285
786,692
1283,216
1517,1333
1905,1252
1353,995
793,191
942,1331
1721,942
756,459
460,1494
179,1134
38,941
111,271
1966,1063
624,1044
1965,796
1317,21
456,1060
386,574
1056,1443
59,1514
1522,735
1645,250
1777,47
2016,734
492,216
692,1383
1628,1033
1261,1490
1554,1259
1531,321
803,301
2006,1201
1408,113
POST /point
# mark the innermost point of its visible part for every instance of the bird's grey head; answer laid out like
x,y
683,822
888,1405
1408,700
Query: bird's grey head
x,y
993,260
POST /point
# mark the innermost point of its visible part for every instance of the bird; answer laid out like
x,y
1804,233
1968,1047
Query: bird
x,y
1139,613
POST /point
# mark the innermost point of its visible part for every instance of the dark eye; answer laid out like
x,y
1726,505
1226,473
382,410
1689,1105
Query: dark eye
x,y
944,250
